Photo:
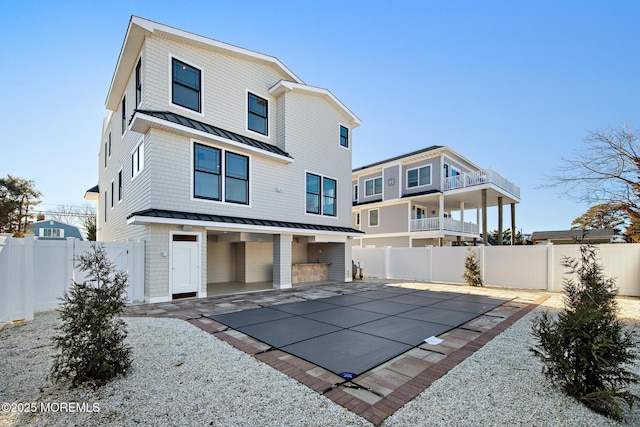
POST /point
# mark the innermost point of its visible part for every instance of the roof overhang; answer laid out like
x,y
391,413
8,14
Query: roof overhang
x,y
92,194
140,28
284,86
138,218
142,122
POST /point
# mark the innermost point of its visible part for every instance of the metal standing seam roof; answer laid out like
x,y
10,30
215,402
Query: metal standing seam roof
x,y
160,213
573,234
214,130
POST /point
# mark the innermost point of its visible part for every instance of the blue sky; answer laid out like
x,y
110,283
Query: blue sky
x,y
511,85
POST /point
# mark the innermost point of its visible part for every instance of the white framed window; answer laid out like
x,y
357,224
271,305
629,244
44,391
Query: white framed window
x,y
106,205
52,232
374,217
358,219
257,114
418,177
186,84
139,82
220,175
120,184
373,187
123,114
355,193
344,136
112,193
321,195
137,159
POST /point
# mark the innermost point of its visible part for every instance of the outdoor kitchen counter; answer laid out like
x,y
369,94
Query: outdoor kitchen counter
x,y
309,272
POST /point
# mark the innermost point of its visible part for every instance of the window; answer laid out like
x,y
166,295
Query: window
x,y
344,136
208,171
358,218
51,232
355,192
373,187
112,194
185,85
206,175
374,217
138,83
120,185
258,112
105,206
137,160
124,114
109,144
236,183
419,176
321,195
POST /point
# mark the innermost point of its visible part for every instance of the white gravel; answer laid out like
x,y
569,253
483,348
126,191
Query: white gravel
x,y
183,376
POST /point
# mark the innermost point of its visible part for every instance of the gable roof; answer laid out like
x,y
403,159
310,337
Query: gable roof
x,y
213,131
604,233
140,28
413,153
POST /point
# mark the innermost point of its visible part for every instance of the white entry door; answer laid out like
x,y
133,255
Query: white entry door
x,y
185,277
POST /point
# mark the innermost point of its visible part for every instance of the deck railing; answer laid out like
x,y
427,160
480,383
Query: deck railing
x,y
448,224
485,176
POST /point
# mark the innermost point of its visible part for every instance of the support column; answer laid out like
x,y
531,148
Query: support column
x,y
462,215
513,224
499,221
441,219
282,261
485,239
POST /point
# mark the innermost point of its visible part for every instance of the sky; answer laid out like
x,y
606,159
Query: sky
x,y
511,85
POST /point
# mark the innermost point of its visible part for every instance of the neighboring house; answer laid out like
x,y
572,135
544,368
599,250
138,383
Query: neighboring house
x,y
432,196
55,230
224,162
564,237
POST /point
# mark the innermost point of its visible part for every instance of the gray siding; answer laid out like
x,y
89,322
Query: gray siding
x,y
391,191
435,176
392,219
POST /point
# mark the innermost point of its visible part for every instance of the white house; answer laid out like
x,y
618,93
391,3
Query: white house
x,y
433,196
225,163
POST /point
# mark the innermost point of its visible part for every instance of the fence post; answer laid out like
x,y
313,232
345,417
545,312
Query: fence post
x,y
481,257
6,279
29,242
550,270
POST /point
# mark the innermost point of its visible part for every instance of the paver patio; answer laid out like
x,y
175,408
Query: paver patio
x,y
378,392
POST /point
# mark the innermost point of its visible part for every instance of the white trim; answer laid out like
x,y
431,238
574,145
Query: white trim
x,y
135,89
369,217
197,133
321,214
418,169
223,226
374,186
341,125
170,90
113,196
120,185
123,100
223,169
269,102
199,267
157,299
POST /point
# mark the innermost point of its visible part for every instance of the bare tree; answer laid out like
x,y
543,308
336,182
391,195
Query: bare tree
x,y
73,215
606,170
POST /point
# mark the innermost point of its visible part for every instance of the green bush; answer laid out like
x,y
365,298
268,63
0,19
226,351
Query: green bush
x,y
472,274
91,337
586,351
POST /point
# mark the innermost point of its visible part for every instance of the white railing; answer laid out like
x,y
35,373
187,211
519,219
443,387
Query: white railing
x,y
486,176
448,224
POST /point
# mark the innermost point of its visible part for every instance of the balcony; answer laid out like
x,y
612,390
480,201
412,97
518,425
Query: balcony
x,y
486,176
448,224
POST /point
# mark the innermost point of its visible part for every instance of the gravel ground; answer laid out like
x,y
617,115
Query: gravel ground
x,y
183,376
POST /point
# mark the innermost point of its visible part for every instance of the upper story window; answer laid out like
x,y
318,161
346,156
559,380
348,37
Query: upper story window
x,y
419,176
186,82
107,149
137,160
120,185
257,119
124,114
373,187
344,136
355,193
321,195
138,83
51,232
208,170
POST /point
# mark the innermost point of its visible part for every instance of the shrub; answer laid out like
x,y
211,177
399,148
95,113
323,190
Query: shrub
x,y
586,350
91,337
472,274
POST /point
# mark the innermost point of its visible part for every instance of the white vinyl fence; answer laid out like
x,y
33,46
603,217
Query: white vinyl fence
x,y
35,273
529,267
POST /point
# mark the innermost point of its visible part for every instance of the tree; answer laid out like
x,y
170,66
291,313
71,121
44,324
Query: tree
x,y
586,351
73,215
506,237
91,337
90,228
606,170
472,274
17,197
603,215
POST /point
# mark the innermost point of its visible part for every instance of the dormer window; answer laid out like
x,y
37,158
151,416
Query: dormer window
x,y
186,82
344,136
257,119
